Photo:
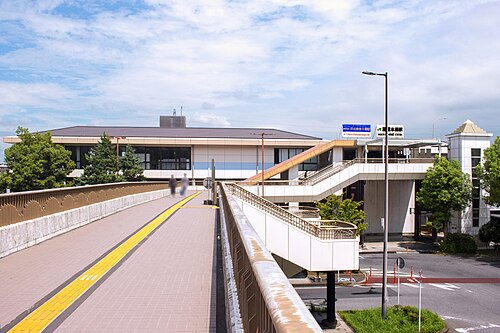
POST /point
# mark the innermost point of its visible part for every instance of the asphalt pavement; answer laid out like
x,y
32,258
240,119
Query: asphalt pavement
x,y
466,307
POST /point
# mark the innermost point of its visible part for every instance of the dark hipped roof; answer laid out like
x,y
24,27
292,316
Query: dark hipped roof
x,y
188,132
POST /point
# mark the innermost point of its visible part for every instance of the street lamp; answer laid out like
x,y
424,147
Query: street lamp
x,y
442,118
117,147
262,173
386,200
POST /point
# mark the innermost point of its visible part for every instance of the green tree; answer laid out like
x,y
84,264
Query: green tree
x,y
489,173
101,165
35,163
444,188
490,232
131,165
348,210
329,207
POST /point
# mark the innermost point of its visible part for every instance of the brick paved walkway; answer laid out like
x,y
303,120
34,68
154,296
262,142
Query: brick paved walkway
x,y
165,285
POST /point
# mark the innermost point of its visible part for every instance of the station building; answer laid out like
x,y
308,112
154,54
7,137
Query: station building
x,y
173,148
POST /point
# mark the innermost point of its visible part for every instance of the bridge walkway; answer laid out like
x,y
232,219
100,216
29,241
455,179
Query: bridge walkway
x,y
164,283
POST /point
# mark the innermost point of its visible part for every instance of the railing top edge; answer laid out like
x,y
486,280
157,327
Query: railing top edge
x,y
309,227
62,189
287,310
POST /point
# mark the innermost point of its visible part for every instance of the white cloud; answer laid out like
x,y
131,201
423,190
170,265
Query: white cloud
x,y
211,120
288,64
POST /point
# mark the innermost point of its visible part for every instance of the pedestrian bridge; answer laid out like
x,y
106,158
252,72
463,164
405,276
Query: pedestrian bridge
x,y
123,257
335,177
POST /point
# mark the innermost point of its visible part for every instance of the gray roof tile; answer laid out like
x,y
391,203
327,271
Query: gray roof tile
x,y
188,132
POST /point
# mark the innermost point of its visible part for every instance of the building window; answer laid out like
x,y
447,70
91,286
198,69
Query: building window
x,y
476,193
152,158
164,158
283,154
78,155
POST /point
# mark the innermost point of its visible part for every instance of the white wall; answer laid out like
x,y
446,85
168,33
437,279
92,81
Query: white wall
x,y
401,199
337,155
231,162
299,247
460,149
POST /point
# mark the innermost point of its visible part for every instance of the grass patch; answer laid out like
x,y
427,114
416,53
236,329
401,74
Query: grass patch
x,y
400,319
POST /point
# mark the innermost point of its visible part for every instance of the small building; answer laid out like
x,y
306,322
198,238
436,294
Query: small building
x,y
466,145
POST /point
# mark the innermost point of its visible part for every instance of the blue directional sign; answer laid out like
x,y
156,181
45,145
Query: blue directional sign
x,y
356,130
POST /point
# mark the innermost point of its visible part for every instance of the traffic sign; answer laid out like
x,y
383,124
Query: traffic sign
x,y
207,182
400,262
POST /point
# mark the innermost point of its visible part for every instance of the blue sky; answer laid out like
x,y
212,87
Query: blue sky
x,y
292,65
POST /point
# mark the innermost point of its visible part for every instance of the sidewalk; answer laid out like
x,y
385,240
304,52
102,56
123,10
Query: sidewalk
x,y
399,247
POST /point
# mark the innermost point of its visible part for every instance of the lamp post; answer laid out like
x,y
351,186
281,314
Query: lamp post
x,y
386,200
262,149
117,149
442,118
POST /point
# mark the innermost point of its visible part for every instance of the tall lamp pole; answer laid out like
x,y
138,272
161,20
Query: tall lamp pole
x,y
117,149
262,149
386,200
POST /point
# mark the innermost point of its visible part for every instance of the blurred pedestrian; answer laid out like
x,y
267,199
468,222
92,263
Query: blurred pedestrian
x,y
184,184
172,183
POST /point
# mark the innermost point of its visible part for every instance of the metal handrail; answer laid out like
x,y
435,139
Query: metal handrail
x,y
303,211
267,302
22,206
336,168
270,208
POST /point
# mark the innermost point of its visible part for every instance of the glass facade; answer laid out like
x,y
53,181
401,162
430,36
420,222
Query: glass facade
x,y
282,154
152,158
475,160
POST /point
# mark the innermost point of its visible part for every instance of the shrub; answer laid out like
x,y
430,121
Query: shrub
x,y
459,243
400,319
490,232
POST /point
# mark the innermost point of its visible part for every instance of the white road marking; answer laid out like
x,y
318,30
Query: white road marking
x,y
445,286
413,285
477,328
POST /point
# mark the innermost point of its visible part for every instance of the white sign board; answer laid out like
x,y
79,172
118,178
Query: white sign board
x,y
395,131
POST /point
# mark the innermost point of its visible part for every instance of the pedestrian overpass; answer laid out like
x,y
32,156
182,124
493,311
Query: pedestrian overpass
x,y
258,296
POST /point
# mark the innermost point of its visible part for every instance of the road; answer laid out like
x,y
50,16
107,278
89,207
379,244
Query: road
x,y
467,307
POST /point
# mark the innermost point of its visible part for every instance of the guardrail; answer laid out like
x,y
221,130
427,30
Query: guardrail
x,y
22,206
267,301
335,168
339,230
304,212
330,170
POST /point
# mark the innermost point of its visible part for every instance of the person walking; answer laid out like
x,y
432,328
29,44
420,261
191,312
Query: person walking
x,y
172,183
184,185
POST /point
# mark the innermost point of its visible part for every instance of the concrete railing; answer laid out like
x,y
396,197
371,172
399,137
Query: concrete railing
x,y
267,301
20,235
28,205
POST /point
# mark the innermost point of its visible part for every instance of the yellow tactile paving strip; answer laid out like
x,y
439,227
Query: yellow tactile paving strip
x,y
40,318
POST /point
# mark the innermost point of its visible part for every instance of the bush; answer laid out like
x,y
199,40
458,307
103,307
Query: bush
x,y
459,243
490,232
400,319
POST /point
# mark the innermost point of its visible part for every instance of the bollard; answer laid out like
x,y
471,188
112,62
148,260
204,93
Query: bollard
x,y
411,272
370,270
394,279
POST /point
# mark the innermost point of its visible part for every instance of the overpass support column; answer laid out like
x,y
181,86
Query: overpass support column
x,y
331,320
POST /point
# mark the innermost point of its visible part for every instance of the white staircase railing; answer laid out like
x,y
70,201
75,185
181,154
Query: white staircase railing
x,y
334,230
